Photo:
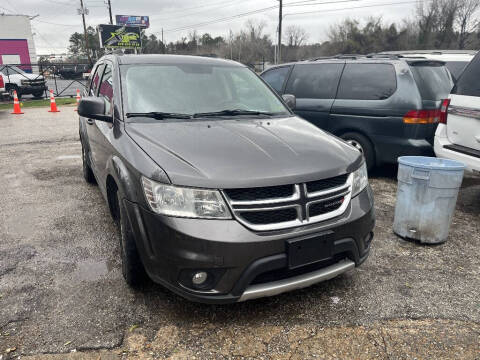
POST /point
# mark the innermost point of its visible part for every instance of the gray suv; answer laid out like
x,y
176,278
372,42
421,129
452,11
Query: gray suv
x,y
220,192
384,106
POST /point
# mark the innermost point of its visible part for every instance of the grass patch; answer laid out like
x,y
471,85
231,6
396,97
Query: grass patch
x,y
37,103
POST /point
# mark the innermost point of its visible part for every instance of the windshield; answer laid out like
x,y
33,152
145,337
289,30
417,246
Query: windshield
x,y
11,70
193,89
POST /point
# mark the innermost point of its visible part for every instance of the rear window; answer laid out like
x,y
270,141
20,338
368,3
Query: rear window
x,y
433,80
367,82
469,83
317,81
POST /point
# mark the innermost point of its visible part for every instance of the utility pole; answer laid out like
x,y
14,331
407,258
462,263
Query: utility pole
x,y
164,47
110,11
82,11
279,52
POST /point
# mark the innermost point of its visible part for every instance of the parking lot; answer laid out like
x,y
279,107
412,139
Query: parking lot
x,y
62,295
62,87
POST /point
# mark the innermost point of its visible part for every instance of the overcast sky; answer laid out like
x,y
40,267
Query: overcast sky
x,y
58,18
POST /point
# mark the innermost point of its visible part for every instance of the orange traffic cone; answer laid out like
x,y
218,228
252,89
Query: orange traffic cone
x,y
16,104
53,104
78,99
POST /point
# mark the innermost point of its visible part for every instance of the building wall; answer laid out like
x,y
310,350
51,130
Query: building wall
x,y
17,27
15,47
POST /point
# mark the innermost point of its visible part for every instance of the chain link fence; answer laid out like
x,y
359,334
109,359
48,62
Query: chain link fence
x,y
34,81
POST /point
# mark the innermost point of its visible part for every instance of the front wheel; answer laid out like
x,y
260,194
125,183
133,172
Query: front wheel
x,y
362,144
11,91
37,94
87,170
132,267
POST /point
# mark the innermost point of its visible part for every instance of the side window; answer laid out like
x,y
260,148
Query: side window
x,y
106,89
314,81
276,77
92,91
367,82
469,83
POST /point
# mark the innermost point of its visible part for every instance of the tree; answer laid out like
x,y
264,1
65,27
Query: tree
x,y
152,45
77,48
466,20
295,36
77,44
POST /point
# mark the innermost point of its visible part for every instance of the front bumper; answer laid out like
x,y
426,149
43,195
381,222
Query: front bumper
x,y
30,89
245,264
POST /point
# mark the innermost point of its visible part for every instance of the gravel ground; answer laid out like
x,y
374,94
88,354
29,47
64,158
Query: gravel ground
x,y
62,295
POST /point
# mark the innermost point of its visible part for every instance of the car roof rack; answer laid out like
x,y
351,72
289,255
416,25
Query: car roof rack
x,y
339,56
382,56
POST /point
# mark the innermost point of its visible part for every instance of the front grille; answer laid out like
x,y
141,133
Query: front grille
x,y
320,185
269,217
261,193
33,82
279,207
325,207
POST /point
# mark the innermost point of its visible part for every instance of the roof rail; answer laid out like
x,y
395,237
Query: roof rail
x,y
338,56
382,56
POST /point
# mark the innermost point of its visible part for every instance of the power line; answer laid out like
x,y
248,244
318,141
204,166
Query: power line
x,y
11,6
252,12
303,3
192,8
1,7
59,3
355,7
248,13
224,4
50,23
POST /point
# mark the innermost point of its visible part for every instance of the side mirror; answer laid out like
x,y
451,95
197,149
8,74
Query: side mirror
x,y
290,100
93,107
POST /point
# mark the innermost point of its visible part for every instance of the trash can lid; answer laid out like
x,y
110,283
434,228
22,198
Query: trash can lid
x,y
431,163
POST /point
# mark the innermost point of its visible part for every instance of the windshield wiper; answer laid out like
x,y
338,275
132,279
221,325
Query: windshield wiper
x,y
160,115
233,112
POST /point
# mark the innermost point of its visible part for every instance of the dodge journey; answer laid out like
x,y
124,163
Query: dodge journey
x,y
220,192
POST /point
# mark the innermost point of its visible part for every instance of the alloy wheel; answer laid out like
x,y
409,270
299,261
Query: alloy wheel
x,y
355,144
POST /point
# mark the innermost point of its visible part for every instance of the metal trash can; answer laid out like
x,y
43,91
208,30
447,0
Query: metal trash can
x,y
426,197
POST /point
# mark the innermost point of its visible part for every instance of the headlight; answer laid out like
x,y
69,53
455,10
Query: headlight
x,y
25,82
179,201
360,180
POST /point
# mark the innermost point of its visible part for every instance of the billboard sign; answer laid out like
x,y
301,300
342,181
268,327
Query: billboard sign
x,y
120,37
132,20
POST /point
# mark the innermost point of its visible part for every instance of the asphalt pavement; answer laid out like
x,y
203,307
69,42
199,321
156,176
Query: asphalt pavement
x,y
62,295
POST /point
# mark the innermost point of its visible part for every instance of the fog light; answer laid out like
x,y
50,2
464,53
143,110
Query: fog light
x,y
199,278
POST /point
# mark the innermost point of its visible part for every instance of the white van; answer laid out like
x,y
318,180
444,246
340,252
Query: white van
x,y
458,134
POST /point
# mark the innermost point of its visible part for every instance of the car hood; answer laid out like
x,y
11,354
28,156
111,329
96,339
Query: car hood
x,y
243,153
26,76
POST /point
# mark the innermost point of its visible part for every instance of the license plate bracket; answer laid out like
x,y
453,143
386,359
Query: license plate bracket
x,y
307,251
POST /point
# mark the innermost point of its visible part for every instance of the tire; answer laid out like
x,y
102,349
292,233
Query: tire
x,y
362,144
87,170
132,268
11,89
37,94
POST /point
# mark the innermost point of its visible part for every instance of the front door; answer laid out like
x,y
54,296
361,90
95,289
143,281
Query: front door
x,y
315,87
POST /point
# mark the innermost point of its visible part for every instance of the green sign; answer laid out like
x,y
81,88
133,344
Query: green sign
x,y
117,36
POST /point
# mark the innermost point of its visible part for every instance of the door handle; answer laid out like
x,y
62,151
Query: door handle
x,y
90,121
